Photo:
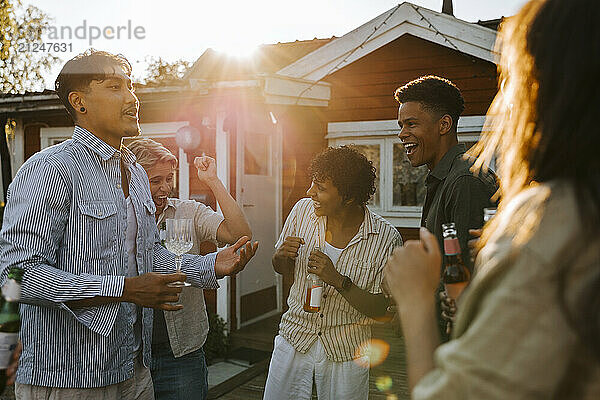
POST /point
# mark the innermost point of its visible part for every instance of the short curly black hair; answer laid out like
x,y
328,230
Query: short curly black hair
x,y
435,94
350,172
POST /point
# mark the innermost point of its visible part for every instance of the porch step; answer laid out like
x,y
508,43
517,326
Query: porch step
x,y
259,335
247,356
253,345
258,343
241,365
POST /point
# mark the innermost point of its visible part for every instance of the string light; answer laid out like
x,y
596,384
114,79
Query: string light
x,y
360,46
431,26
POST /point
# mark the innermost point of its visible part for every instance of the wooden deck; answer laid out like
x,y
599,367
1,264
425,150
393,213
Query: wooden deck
x,y
391,372
260,336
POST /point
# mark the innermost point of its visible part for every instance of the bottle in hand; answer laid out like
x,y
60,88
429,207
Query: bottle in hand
x,y
314,292
10,320
456,275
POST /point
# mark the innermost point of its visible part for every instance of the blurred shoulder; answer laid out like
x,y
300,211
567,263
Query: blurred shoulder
x,y
543,219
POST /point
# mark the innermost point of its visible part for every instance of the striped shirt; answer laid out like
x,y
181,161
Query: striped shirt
x,y
342,329
65,223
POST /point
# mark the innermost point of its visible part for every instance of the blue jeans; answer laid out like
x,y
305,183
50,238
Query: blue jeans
x,y
183,378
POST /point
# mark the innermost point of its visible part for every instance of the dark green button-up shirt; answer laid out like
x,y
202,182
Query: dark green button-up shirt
x,y
455,194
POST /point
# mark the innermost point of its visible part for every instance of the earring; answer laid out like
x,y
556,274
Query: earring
x,y
82,109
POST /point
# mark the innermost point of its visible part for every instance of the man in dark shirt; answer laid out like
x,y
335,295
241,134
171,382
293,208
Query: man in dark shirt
x,y
428,117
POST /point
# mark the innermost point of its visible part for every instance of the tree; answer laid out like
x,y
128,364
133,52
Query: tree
x,y
21,61
161,72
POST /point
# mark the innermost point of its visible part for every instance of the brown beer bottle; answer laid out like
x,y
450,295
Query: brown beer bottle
x,y
456,275
314,292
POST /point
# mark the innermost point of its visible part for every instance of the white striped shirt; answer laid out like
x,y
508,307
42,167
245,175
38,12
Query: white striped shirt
x,y
342,329
65,223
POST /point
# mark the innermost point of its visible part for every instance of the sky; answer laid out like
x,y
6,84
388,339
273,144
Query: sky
x,y
178,29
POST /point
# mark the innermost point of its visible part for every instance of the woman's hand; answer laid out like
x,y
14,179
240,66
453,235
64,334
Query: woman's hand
x,y
448,307
322,266
412,273
207,168
289,248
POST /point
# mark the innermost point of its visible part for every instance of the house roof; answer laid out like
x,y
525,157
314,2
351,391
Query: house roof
x,y
491,23
406,18
214,65
27,94
48,99
268,58
292,72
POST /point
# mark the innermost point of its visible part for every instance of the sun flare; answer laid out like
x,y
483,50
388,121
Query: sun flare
x,y
237,49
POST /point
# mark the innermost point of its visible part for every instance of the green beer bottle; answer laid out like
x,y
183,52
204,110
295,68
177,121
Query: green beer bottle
x,y
10,320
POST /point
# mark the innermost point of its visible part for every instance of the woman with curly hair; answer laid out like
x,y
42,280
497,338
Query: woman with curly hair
x,y
331,234
528,324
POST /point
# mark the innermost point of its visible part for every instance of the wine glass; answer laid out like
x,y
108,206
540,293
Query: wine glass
x,y
179,241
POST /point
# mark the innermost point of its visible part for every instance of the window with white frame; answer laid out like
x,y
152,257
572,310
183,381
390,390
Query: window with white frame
x,y
56,135
400,187
156,130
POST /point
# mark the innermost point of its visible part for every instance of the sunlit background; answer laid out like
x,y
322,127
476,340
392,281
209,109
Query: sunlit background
x,y
179,29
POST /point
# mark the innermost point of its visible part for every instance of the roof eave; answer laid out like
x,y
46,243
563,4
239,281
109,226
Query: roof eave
x,y
469,38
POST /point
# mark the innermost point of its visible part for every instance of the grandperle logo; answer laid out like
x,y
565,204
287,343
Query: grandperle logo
x,y
94,32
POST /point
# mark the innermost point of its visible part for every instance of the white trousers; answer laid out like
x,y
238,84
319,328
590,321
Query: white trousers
x,y
291,375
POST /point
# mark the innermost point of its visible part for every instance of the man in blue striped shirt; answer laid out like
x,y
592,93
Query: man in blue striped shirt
x,y
80,221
